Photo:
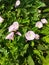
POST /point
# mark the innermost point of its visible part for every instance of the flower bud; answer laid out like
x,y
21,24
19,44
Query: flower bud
x,y
17,3
18,33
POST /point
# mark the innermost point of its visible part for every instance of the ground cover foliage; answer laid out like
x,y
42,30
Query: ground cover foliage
x,y
19,51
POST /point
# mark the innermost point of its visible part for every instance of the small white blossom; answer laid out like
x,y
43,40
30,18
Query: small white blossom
x,y
17,3
18,33
10,36
39,24
1,19
37,36
14,27
30,35
44,21
39,11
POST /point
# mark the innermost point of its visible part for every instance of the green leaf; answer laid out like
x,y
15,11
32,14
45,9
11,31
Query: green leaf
x,y
42,47
46,39
32,43
45,30
30,60
40,4
46,10
37,52
25,49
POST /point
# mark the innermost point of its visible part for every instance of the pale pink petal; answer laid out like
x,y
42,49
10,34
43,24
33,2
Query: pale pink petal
x,y
37,36
10,36
44,21
18,33
39,24
14,27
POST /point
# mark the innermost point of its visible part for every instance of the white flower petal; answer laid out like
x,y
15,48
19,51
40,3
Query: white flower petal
x,y
37,36
39,24
1,19
39,11
10,36
17,3
14,27
18,33
44,21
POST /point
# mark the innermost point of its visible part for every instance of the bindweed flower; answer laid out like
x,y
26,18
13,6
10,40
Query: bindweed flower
x,y
14,27
1,19
30,35
17,3
44,21
39,24
18,33
10,36
37,36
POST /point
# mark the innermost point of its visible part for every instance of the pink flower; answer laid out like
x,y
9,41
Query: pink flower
x,y
30,35
10,36
37,36
14,27
18,33
17,3
1,19
44,21
39,24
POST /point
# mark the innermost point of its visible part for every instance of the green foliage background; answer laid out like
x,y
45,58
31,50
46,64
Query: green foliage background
x,y
20,52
